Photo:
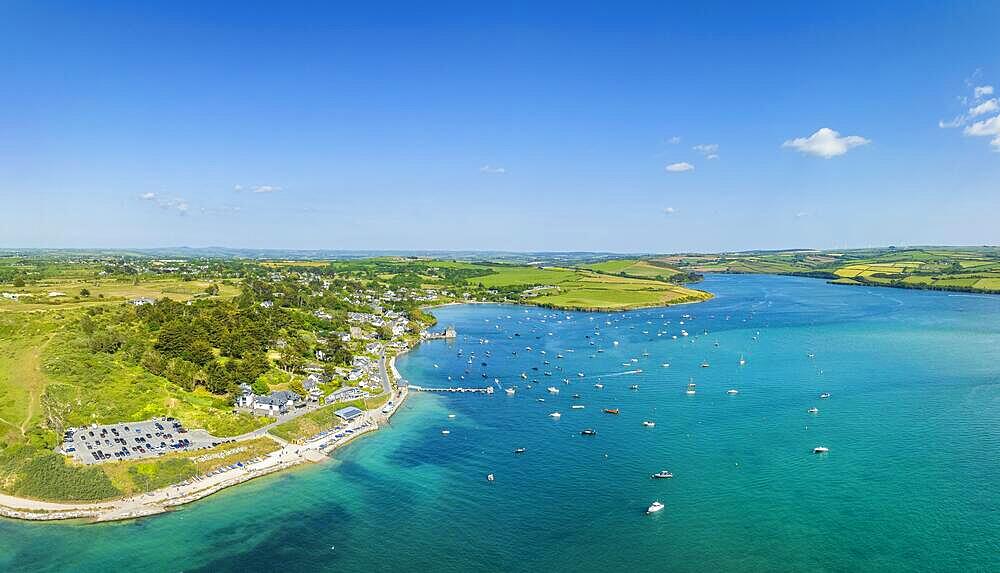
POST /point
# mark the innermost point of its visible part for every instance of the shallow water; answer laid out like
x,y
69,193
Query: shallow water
x,y
911,482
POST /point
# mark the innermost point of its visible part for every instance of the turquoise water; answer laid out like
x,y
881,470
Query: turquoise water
x,y
911,482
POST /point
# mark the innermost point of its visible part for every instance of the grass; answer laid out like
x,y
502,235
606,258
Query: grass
x,y
633,268
585,289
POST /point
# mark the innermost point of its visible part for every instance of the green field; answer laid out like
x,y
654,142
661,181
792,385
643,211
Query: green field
x,y
970,269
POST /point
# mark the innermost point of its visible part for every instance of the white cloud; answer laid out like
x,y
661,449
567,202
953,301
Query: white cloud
x,y
826,143
149,196
988,106
237,188
680,167
982,91
670,210
490,170
674,140
801,214
709,150
986,128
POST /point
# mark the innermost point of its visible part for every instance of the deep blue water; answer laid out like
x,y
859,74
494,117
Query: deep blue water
x,y
911,482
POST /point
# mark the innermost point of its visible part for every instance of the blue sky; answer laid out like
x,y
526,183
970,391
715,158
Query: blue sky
x,y
510,126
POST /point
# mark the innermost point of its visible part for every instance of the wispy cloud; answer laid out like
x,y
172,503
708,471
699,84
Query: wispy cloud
x,y
989,127
257,188
801,214
670,211
679,167
988,106
826,143
491,170
674,140
709,150
167,203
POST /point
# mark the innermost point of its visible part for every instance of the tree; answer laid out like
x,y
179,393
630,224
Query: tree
x,y
84,292
260,387
212,289
19,282
199,352
107,341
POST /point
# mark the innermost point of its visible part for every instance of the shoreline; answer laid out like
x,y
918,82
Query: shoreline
x,y
287,456
165,499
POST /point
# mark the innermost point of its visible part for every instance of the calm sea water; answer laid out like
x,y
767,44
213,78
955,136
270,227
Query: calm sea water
x,y
911,482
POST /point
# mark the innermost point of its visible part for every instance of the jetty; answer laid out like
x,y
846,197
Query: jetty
x,y
486,390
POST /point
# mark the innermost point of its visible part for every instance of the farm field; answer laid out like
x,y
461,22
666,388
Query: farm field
x,y
633,268
971,269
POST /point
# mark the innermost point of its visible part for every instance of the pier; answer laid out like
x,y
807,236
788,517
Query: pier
x,y
486,390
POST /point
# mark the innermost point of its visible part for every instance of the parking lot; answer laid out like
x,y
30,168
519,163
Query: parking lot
x,y
133,440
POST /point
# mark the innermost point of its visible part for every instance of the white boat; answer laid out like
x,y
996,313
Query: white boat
x,y
445,432
555,415
649,424
662,474
732,391
633,387
743,361
577,406
656,506
540,400
451,415
598,386
509,391
665,365
813,410
821,450
704,364
691,388
553,390
580,374
489,477
824,395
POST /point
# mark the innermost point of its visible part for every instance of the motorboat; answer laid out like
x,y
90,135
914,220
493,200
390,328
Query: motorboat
x,y
656,506
824,395
445,432
598,386
821,450
510,391
519,450
555,415
633,387
732,391
588,432
648,423
690,388
813,410
614,411
743,361
577,406
553,390
705,364
490,477
662,474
